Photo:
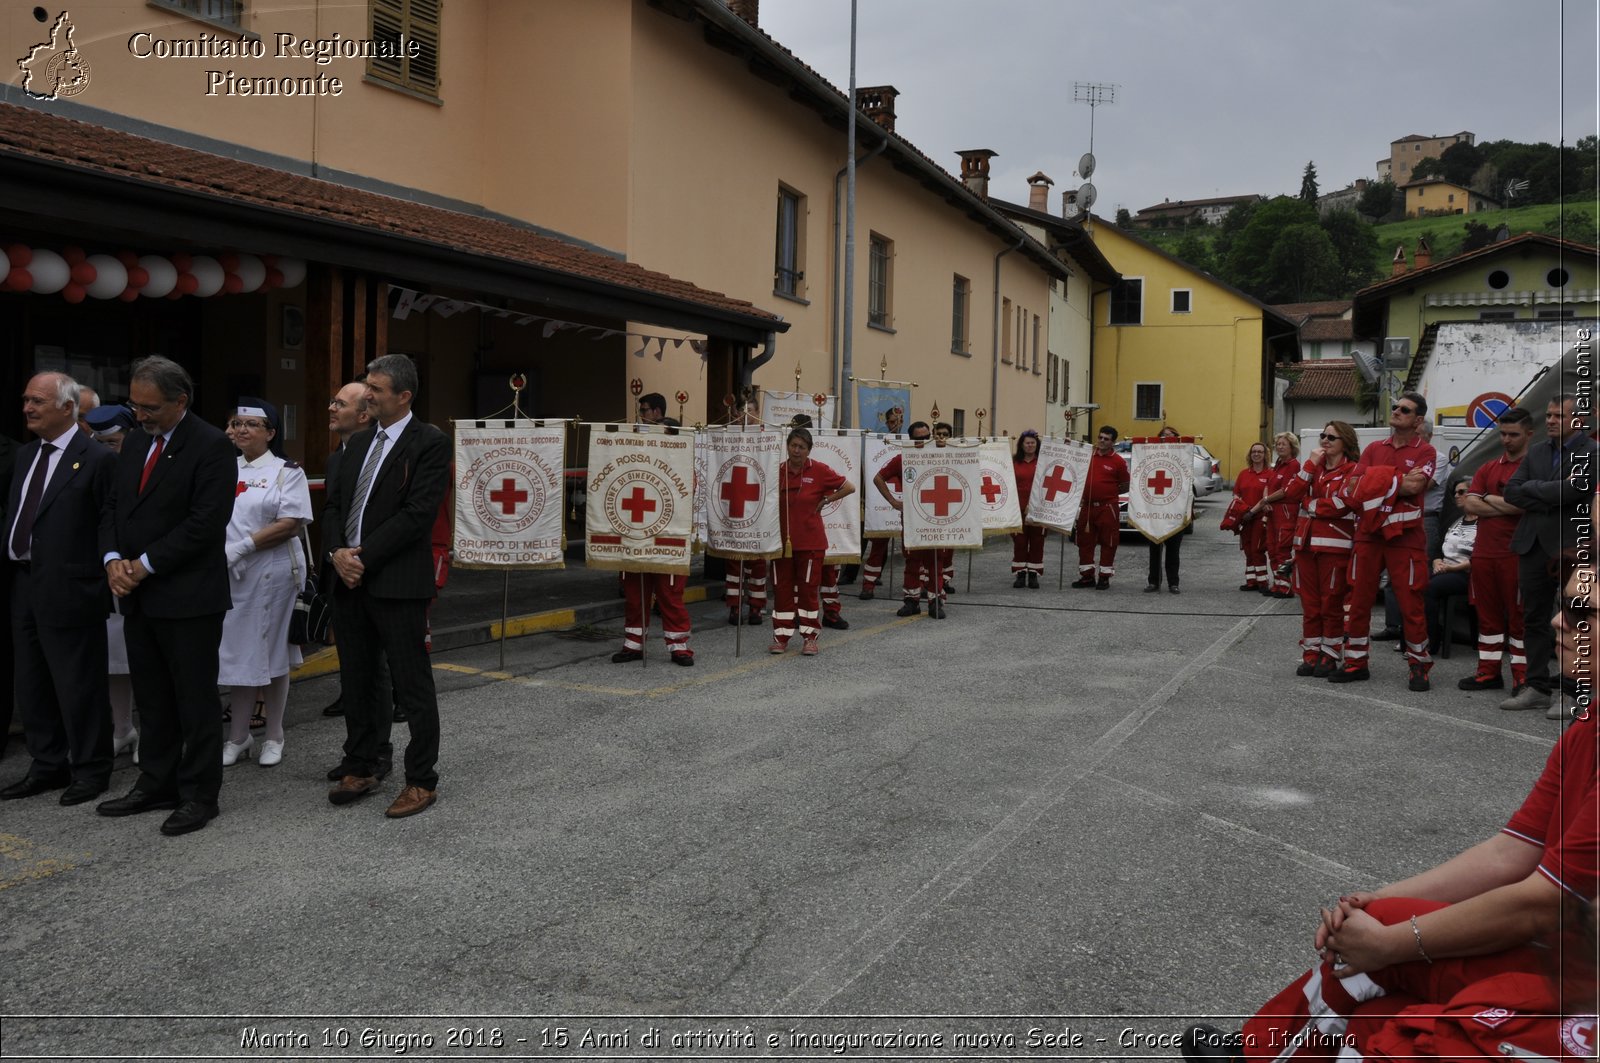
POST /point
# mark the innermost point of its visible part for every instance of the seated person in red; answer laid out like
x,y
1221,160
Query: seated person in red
x,y
1404,955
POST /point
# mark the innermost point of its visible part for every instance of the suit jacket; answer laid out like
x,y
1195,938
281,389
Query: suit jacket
x,y
1546,496
397,523
68,582
180,520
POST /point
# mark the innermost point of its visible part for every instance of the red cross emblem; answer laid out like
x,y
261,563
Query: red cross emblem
x,y
508,496
638,505
739,489
941,496
991,489
1056,483
1159,482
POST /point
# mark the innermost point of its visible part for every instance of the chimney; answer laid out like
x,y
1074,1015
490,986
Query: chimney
x,y
749,10
975,170
1039,192
1424,256
1399,260
878,103
1361,184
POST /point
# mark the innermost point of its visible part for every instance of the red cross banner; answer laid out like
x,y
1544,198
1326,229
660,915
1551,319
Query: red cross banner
x,y
640,512
779,407
997,490
841,452
509,488
879,520
1161,489
1058,485
941,501
741,496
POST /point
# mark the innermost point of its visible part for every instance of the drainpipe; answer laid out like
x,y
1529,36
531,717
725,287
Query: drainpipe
x,y
768,350
994,376
842,376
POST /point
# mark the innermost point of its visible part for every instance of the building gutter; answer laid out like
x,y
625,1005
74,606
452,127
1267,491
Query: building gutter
x,y
841,357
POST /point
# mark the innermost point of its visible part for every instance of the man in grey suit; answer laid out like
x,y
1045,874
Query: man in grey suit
x,y
1554,488
59,599
379,522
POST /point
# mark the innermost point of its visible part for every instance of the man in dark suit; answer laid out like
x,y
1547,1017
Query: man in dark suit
x,y
162,535
58,599
1554,488
379,518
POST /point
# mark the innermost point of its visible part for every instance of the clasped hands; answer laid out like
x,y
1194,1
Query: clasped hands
x,y
347,563
124,575
1353,937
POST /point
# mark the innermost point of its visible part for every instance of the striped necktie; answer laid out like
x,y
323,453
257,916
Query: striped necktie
x,y
358,501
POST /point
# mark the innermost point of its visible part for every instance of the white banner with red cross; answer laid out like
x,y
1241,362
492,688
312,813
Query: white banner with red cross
x,y
941,502
509,489
879,520
779,409
640,512
1161,488
997,491
1058,484
741,494
840,450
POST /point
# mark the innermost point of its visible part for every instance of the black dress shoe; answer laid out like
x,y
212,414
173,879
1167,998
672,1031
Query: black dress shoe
x,y
190,817
32,785
81,791
135,802
336,709
624,656
1174,588
1152,588
838,623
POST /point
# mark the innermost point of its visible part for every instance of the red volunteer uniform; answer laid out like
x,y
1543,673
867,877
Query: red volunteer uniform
x,y
1027,546
1394,540
1251,487
1282,516
878,551
638,588
1493,580
924,568
746,581
1322,548
1098,524
798,575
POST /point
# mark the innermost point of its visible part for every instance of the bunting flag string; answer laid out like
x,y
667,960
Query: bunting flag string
x,y
414,302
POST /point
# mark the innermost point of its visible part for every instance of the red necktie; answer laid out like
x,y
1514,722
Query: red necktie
x,y
150,462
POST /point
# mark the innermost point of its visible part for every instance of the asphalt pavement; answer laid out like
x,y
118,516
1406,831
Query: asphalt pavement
x,y
1060,823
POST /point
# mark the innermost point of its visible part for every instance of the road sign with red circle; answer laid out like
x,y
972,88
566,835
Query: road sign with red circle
x,y
1485,410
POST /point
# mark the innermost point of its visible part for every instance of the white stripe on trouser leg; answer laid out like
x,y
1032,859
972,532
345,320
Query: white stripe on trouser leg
x,y
1329,1025
808,623
1108,570
1518,656
676,640
633,638
1087,570
870,573
1355,649
1418,652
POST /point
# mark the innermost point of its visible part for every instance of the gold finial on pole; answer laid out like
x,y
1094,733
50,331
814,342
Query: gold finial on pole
x,y
980,413
682,397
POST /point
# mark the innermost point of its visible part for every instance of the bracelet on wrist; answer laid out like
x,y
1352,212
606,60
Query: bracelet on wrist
x,y
1416,933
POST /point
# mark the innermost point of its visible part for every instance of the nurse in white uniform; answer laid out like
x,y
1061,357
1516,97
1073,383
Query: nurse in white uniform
x,y
267,567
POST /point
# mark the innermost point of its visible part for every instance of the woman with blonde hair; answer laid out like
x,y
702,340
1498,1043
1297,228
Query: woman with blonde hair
x,y
1249,487
1281,515
1323,541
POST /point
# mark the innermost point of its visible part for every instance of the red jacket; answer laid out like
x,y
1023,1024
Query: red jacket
x,y
1327,522
799,505
1024,471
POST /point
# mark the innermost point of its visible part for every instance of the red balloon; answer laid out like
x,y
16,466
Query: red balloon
x,y
187,283
129,259
83,273
73,254
233,284
19,254
269,260
73,293
138,276
175,294
19,280
229,262
129,294
274,279
181,261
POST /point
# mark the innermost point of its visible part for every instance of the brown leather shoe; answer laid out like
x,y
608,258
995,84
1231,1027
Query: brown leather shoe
x,y
352,787
412,799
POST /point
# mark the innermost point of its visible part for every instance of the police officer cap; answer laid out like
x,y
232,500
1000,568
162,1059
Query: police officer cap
x,y
112,418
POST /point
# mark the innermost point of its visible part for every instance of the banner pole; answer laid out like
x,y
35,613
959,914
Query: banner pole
x,y
505,612
969,571
1061,566
646,606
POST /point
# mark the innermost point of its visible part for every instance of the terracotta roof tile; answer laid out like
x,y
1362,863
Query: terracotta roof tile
x,y
1326,308
1319,329
1323,380
31,133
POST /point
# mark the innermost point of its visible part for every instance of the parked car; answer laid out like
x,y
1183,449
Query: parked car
x,y
1207,477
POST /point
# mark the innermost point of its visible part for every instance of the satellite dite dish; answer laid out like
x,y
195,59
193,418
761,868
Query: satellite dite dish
x,y
1086,166
1071,210
1086,195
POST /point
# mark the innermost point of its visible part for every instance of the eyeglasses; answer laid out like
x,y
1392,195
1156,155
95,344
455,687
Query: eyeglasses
x,y
238,424
148,411
1327,437
1462,493
1407,410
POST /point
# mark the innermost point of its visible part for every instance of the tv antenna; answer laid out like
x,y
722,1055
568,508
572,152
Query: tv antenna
x,y
1094,93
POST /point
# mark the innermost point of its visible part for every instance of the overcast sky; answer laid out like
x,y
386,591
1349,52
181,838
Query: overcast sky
x,y
1224,97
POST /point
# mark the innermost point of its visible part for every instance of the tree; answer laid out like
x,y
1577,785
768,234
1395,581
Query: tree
x,y
1233,224
1246,265
1355,247
1124,219
1478,235
1301,266
1194,250
1378,200
1459,162
1308,185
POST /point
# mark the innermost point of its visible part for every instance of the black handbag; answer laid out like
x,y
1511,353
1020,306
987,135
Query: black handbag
x,y
313,612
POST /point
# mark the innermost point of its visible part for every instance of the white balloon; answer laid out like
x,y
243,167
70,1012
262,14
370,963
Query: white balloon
x,y
110,277
209,274
293,270
252,272
50,272
163,276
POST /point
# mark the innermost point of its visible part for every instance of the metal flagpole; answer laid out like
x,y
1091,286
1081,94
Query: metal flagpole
x,y
517,382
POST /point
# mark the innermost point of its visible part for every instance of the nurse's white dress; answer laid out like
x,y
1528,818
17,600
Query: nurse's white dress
x,y
255,633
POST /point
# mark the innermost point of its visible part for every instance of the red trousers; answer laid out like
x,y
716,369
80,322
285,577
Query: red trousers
x,y
1253,541
872,567
1027,549
750,577
637,590
1098,527
1310,1019
925,571
1408,575
1280,542
795,584
829,591
1323,582
1494,584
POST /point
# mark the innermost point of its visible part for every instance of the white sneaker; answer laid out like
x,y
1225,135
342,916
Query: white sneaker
x,y
271,753
128,743
233,752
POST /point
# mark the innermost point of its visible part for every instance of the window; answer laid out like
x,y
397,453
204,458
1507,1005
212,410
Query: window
x,y
960,298
958,423
1005,331
788,271
1022,339
1127,302
1181,300
221,12
879,276
1555,313
1498,279
1557,278
1050,380
1035,344
1147,402
407,32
